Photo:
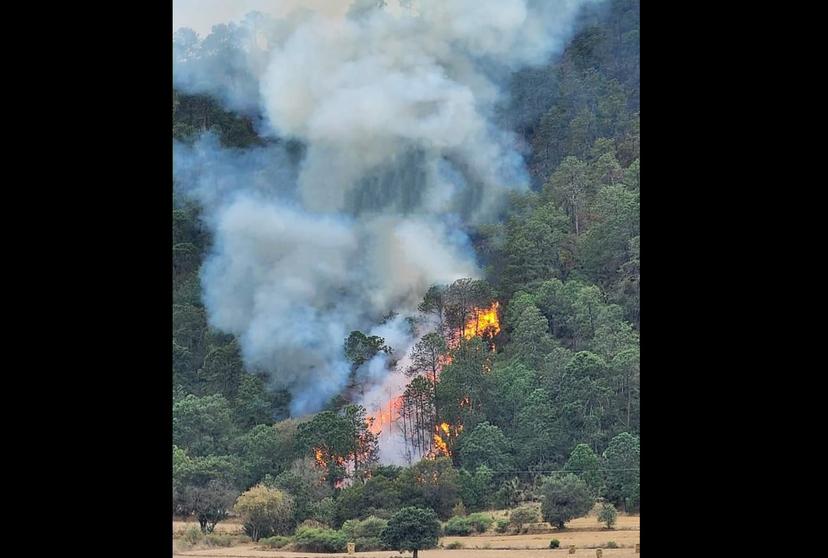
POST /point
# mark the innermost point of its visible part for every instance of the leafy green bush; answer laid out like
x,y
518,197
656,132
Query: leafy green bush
x,y
481,521
523,515
612,544
608,514
454,545
366,533
214,539
554,543
313,539
193,535
458,525
502,525
275,542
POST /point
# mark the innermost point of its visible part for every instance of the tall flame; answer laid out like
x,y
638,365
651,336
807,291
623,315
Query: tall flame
x,y
386,415
483,321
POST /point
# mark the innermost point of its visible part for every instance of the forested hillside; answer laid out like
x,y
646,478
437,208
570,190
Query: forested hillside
x,y
553,387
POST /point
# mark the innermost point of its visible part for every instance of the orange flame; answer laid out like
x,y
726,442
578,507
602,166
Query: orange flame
x,y
483,321
444,432
386,415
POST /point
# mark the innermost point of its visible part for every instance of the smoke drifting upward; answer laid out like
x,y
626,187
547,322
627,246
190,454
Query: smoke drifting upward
x,y
395,109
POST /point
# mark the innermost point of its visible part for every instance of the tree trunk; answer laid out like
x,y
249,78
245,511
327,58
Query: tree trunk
x,y
415,552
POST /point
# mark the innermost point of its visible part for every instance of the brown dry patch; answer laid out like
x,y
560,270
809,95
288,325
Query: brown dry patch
x,y
249,551
581,539
229,527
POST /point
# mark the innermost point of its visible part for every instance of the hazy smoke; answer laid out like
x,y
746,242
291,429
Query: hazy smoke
x,y
394,107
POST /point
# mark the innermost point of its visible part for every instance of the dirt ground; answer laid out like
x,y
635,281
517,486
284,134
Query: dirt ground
x,y
248,551
585,533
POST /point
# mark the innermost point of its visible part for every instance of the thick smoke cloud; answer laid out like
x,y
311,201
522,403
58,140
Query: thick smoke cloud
x,y
395,109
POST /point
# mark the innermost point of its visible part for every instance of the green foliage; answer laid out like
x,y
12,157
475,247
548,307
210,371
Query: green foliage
x,y
412,528
266,511
360,348
611,544
209,503
195,114
302,481
523,515
430,484
366,534
587,466
502,525
622,462
193,535
607,514
563,386
319,540
564,497
454,545
203,425
458,525
485,445
480,521
476,488
554,543
275,542
381,492
349,504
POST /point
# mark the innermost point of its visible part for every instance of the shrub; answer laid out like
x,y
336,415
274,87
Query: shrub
x,y
554,543
275,542
612,544
608,514
313,539
193,535
214,539
454,545
459,509
458,526
366,533
365,544
565,497
502,525
523,515
266,511
481,521
412,528
312,524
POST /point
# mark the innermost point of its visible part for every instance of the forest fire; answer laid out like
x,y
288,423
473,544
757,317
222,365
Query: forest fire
x,y
482,322
386,415
443,432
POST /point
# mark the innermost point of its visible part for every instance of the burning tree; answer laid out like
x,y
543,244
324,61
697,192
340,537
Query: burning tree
x,y
417,416
462,314
342,444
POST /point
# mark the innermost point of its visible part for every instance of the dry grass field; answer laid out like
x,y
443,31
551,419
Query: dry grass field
x,y
585,533
249,551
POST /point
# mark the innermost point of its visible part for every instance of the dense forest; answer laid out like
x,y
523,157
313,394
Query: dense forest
x,y
518,409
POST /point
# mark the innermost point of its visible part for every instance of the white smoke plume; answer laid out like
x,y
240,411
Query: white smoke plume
x,y
394,107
